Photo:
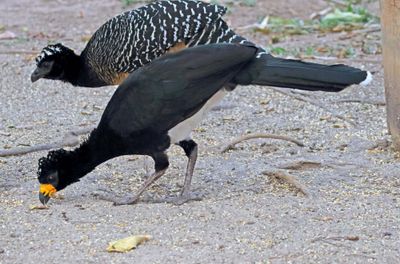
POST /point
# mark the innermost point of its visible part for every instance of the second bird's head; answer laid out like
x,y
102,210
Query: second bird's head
x,y
53,62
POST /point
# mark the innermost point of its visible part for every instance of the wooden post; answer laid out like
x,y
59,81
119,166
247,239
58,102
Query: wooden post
x,y
390,18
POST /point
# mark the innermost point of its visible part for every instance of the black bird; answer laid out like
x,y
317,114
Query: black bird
x,y
156,106
135,38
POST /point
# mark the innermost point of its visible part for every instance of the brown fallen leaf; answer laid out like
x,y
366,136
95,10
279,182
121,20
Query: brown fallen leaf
x,y
352,238
126,244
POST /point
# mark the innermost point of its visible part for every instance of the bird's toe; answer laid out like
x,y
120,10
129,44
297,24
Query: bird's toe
x,y
184,198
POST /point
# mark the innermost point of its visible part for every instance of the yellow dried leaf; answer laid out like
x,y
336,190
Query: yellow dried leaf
x,y
127,244
39,207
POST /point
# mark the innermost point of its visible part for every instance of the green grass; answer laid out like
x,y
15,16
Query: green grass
x,y
338,20
338,51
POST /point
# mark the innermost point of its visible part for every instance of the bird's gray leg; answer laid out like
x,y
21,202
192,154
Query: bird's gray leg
x,y
190,148
161,165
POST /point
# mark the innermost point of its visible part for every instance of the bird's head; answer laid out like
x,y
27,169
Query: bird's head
x,y
51,174
52,62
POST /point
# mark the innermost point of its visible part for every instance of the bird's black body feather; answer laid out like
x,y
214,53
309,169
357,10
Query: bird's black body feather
x,y
146,106
285,73
155,101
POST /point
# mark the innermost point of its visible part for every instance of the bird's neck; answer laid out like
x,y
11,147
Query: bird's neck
x,y
79,73
82,160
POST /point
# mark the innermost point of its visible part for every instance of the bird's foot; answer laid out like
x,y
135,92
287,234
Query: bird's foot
x,y
184,198
126,201
111,197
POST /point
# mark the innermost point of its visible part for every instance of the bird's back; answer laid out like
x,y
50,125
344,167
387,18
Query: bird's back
x,y
172,88
135,38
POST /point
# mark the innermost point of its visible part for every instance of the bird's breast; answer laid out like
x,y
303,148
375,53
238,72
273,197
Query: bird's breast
x,y
182,130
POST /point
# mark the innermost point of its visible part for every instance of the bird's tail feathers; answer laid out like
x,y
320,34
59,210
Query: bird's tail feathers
x,y
271,71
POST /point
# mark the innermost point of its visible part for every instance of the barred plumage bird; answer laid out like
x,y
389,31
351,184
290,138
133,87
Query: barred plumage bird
x,y
135,38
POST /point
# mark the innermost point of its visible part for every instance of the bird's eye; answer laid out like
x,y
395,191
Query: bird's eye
x,y
52,178
46,64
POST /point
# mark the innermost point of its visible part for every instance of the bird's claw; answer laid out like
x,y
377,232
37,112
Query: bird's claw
x,y
184,198
127,201
110,197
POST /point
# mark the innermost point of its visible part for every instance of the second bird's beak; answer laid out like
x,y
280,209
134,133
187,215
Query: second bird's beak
x,y
39,73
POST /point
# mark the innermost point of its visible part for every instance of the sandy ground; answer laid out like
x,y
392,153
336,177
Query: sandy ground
x,y
351,213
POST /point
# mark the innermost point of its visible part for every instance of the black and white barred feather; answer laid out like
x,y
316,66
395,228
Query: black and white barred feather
x,y
49,51
135,38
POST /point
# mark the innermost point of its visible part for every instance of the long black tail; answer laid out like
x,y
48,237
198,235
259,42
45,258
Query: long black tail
x,y
268,70
271,71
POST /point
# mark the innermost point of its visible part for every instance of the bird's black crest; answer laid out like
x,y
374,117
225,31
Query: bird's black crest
x,y
52,50
50,163
54,158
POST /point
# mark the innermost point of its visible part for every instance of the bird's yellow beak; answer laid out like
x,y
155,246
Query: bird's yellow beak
x,y
46,191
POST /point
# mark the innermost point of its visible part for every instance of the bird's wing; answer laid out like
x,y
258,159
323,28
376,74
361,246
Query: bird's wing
x,y
171,89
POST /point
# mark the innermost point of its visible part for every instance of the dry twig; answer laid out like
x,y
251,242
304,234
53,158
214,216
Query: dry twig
x,y
329,240
70,139
240,139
